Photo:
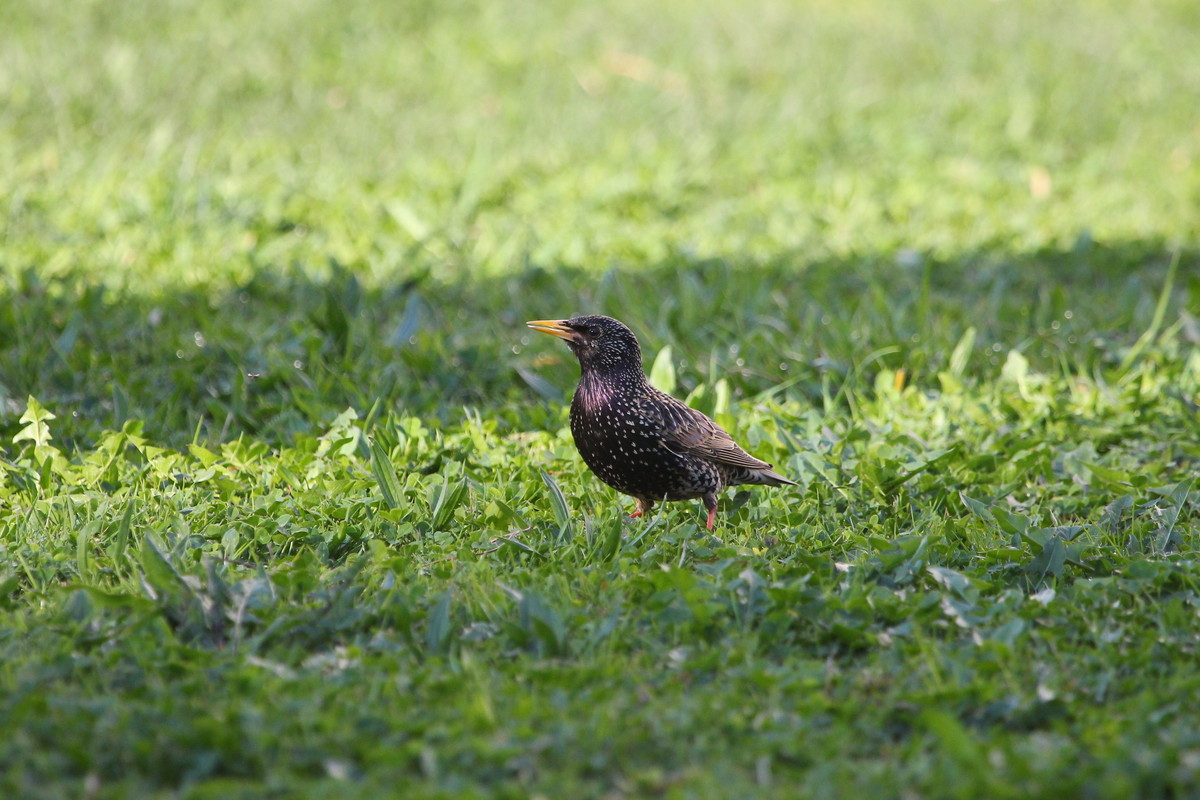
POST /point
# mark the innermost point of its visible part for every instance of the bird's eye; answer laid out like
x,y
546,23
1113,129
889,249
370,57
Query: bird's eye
x,y
593,330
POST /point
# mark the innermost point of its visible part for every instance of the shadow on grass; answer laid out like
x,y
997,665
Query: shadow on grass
x,y
285,352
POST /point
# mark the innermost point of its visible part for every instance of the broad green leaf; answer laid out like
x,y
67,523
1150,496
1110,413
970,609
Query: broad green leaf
x,y
36,420
662,373
1048,562
1109,475
977,508
1008,521
203,455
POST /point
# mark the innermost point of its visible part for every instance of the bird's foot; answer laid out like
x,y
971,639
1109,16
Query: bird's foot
x,y
642,507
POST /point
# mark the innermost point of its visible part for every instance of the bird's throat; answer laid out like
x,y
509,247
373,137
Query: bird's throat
x,y
598,388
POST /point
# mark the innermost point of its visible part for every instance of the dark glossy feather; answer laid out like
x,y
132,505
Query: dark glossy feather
x,y
689,432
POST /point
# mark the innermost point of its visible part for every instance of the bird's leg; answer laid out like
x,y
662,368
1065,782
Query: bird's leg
x,y
643,507
710,502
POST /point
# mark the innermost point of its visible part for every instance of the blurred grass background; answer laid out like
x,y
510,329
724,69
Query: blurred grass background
x,y
165,144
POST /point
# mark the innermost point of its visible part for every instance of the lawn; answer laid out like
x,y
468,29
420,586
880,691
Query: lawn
x,y
289,506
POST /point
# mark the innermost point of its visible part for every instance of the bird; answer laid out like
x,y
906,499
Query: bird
x,y
639,440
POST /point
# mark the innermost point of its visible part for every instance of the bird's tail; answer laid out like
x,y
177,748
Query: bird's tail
x,y
765,477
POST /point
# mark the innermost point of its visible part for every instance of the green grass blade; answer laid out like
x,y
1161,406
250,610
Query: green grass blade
x,y
558,503
385,476
1160,313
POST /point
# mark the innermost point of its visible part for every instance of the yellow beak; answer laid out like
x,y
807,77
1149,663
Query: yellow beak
x,y
554,327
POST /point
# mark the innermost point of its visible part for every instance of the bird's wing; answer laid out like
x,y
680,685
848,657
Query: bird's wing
x,y
688,432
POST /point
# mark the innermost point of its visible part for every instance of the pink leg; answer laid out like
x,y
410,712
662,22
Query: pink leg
x,y
643,506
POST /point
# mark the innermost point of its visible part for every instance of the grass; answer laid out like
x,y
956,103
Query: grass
x,y
288,504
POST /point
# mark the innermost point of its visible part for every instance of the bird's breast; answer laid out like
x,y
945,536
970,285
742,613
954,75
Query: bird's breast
x,y
623,445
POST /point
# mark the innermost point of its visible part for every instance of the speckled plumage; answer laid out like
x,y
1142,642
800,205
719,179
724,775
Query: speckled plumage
x,y
639,440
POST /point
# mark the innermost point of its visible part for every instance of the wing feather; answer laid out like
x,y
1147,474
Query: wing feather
x,y
688,432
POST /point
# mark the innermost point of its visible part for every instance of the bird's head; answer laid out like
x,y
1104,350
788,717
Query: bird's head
x,y
600,343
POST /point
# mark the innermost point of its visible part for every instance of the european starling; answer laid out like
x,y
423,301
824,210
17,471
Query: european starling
x,y
638,440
